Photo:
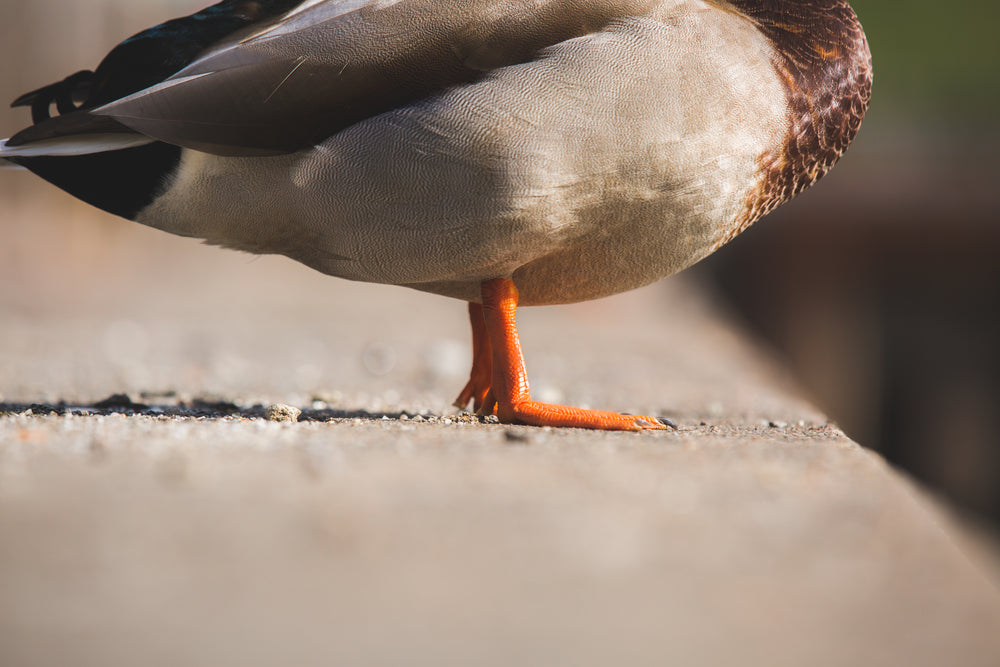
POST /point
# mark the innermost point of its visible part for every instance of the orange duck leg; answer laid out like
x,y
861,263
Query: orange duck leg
x,y
499,382
478,386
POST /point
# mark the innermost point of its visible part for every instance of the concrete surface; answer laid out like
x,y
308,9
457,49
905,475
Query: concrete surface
x,y
382,528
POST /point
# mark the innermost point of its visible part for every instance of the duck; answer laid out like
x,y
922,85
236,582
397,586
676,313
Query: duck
x,y
499,152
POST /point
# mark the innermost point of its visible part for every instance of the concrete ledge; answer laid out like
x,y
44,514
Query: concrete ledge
x,y
758,534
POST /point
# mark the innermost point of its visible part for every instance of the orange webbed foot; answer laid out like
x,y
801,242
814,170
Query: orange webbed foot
x,y
498,383
547,414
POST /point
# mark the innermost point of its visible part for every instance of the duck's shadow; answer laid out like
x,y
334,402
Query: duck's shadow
x,y
198,408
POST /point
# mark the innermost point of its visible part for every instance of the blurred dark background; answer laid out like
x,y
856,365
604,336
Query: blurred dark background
x,y
880,286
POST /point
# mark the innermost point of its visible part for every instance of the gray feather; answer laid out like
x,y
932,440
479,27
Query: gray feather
x,y
334,64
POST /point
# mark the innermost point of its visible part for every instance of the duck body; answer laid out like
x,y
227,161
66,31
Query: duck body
x,y
573,194
575,148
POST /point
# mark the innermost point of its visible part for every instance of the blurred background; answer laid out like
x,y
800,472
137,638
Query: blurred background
x,y
880,287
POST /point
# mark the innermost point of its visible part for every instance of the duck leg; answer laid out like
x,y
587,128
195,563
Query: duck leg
x,y
476,388
508,390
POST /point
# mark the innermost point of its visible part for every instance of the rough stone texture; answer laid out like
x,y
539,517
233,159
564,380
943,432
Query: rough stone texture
x,y
278,412
176,525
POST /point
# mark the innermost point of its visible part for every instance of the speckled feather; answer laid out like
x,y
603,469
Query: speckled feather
x,y
823,57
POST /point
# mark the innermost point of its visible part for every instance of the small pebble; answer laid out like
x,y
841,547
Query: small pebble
x,y
278,412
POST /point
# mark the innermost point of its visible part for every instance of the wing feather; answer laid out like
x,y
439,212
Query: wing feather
x,y
329,64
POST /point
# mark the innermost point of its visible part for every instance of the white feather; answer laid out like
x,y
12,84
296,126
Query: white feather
x,y
330,9
82,144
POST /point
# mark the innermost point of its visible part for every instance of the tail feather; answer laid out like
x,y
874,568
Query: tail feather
x,y
7,164
69,95
121,181
83,144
